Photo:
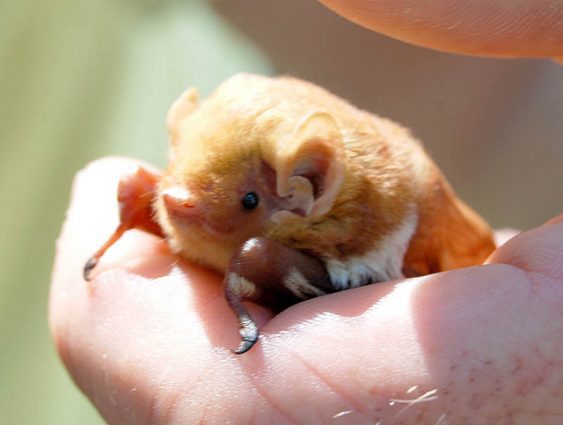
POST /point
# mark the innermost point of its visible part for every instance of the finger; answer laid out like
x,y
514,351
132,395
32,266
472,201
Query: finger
x,y
146,326
530,28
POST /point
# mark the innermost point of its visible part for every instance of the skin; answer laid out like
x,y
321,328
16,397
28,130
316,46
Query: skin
x,y
148,339
501,28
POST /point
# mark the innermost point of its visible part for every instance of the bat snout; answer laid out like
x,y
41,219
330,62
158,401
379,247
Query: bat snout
x,y
179,202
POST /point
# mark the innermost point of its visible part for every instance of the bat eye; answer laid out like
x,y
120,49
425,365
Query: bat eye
x,y
250,201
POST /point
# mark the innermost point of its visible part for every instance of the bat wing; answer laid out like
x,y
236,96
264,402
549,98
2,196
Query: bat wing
x,y
449,235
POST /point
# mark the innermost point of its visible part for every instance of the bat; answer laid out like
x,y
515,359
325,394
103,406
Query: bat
x,y
291,192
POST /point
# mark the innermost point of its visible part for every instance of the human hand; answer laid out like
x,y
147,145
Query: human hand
x,y
148,339
529,28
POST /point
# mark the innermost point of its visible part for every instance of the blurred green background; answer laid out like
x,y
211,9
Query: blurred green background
x,y
80,79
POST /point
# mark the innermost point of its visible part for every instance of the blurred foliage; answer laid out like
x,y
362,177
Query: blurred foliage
x,y
78,80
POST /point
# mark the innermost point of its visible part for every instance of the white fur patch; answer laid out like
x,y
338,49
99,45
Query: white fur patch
x,y
241,286
381,264
300,286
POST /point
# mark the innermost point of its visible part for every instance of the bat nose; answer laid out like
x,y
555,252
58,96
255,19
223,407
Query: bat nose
x,y
179,201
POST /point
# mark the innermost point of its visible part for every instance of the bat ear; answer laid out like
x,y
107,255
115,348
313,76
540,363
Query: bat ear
x,y
180,109
310,165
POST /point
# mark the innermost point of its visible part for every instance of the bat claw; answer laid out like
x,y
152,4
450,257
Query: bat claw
x,y
248,334
244,347
90,264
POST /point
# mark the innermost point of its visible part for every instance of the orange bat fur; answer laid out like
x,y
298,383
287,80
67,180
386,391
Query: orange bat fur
x,y
351,188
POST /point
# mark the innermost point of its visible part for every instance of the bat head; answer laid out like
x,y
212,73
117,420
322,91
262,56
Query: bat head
x,y
256,157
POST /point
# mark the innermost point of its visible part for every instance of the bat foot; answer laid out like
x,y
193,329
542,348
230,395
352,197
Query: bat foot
x,y
248,334
88,267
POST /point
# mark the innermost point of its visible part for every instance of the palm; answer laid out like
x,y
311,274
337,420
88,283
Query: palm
x,y
149,339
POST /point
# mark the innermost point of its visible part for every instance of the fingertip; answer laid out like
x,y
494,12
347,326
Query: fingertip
x,y
480,28
502,236
539,250
95,185
91,217
93,212
555,220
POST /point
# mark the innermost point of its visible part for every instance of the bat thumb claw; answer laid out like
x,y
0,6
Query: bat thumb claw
x,y
249,335
90,264
243,347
